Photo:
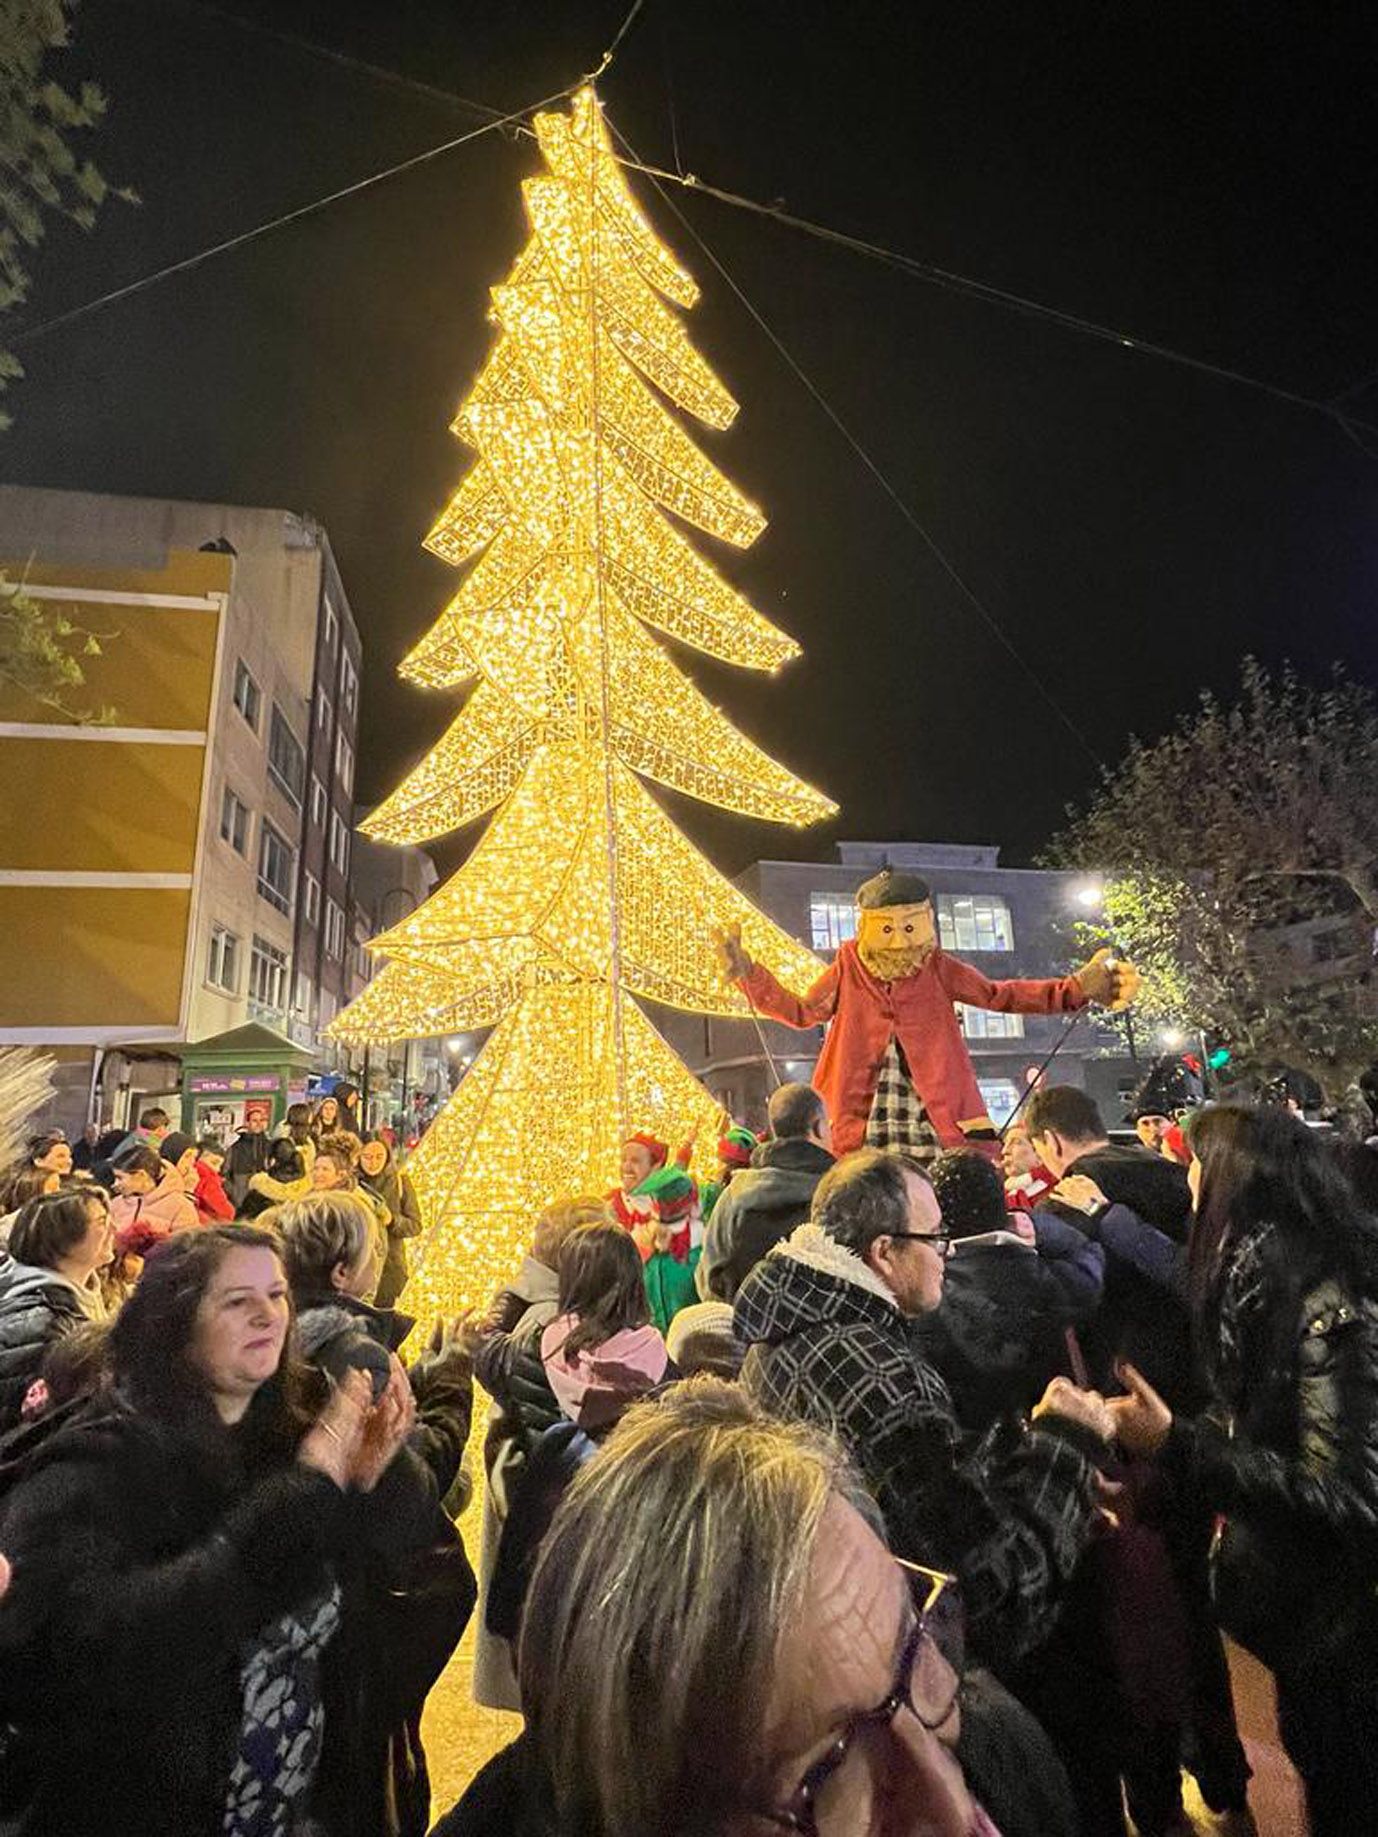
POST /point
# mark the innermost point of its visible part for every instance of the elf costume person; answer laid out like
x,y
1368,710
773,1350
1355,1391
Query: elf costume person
x,y
735,1149
673,1244
642,1154
894,1071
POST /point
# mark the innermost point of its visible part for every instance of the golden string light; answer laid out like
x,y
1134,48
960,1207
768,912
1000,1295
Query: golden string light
x,y
581,894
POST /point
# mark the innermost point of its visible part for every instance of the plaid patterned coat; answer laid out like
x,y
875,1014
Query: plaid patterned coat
x,y
1010,1515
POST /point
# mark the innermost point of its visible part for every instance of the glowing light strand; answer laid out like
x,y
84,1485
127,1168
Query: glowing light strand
x,y
581,894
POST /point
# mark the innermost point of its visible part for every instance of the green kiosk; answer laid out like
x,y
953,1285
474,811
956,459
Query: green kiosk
x,y
232,1077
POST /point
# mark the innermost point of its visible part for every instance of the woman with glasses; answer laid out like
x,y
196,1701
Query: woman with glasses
x,y
1282,1280
718,1644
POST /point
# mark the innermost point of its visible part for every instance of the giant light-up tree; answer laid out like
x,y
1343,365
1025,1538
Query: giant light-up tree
x,y
582,894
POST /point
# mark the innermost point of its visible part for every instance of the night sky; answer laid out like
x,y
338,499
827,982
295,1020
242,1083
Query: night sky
x,y
1199,176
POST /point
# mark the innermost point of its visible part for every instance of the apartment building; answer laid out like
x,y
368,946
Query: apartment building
x,y
184,869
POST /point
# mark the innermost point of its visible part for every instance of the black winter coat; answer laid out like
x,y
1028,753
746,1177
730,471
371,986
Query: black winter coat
x,y
999,1334
508,1360
142,1566
1290,1458
1139,1319
761,1207
408,1597
36,1307
828,1344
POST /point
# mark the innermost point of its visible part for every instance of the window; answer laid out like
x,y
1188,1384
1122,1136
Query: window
x,y
234,822
267,977
981,1024
286,760
317,802
344,762
276,862
349,687
323,713
339,841
974,921
999,1095
334,929
247,698
301,993
222,966
332,623
313,898
363,962
832,919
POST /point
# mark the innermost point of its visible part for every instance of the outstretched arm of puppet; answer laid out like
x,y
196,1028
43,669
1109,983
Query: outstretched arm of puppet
x,y
765,994
1103,979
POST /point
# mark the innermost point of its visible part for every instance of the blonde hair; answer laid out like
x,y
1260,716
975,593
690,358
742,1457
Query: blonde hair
x,y
558,1220
319,1232
676,1564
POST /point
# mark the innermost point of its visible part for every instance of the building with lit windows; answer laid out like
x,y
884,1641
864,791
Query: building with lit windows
x,y
1005,921
184,869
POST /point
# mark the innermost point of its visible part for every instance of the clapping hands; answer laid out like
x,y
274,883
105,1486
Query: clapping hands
x,y
354,1440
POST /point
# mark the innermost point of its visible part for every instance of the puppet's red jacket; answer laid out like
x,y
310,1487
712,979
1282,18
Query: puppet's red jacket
x,y
917,1010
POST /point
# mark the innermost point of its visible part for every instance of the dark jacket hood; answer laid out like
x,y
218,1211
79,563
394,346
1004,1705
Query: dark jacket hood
x,y
809,1281
795,1152
321,1316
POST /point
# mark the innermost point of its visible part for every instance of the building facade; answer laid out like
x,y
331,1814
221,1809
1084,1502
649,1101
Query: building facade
x,y
404,1080
1005,921
184,869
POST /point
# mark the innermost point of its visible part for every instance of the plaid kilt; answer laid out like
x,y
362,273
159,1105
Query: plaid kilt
x,y
898,1118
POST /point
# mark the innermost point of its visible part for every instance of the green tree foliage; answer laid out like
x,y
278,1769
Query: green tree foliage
x,y
41,177
43,653
1240,855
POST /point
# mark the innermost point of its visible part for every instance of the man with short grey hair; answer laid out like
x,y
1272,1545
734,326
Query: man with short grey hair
x,y
827,1320
768,1199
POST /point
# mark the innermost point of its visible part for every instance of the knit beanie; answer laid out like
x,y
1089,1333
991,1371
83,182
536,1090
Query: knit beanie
x,y
672,1191
736,1147
700,1338
887,888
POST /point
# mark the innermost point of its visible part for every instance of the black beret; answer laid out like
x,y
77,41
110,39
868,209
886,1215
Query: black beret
x,y
887,888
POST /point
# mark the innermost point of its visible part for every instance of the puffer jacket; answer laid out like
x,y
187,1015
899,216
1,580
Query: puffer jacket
x,y
508,1360
763,1205
1289,1457
999,1334
142,1220
37,1306
1010,1516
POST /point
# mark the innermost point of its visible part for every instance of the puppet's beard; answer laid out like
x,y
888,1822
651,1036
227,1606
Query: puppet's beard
x,y
894,965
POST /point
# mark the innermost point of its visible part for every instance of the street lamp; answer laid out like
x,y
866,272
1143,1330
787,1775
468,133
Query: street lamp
x,y
1090,895
1173,1038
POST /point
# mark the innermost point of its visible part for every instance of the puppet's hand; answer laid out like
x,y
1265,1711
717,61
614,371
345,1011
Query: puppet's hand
x,y
1108,981
732,958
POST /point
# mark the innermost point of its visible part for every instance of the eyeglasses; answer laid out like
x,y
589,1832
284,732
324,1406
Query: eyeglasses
x,y
927,1683
940,1240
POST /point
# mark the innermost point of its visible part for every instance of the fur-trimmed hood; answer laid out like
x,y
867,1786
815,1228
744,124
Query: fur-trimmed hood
x,y
809,1280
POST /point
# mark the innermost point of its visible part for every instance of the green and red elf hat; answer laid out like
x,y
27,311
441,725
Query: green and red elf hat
x,y
736,1147
671,1191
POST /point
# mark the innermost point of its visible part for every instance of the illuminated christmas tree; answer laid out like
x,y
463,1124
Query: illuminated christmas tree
x,y
582,894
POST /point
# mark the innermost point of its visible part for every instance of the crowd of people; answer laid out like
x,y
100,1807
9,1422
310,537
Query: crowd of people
x,y
863,1495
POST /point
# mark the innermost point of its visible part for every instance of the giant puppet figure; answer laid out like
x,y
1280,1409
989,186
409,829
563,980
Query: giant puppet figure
x,y
894,1070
